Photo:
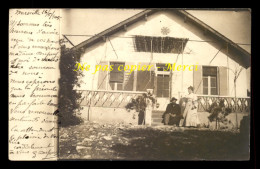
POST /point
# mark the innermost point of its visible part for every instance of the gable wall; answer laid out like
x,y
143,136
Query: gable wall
x,y
199,53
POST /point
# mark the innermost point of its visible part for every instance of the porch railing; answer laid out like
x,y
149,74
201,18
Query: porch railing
x,y
242,105
111,99
119,99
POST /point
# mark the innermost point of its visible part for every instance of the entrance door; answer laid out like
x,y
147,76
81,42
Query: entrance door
x,y
163,85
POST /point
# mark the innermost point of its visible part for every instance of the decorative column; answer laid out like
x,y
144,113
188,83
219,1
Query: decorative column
x,y
150,101
148,112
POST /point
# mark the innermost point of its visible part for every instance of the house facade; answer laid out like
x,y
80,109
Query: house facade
x,y
173,50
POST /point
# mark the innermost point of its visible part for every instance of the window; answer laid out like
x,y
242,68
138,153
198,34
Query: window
x,y
116,77
159,44
210,80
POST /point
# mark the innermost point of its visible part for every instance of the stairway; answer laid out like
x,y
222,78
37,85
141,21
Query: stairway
x,y
157,117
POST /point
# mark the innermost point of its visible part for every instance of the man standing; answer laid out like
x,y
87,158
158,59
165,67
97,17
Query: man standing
x,y
141,106
172,115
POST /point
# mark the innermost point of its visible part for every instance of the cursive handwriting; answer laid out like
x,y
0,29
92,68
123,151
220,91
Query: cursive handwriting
x,y
34,55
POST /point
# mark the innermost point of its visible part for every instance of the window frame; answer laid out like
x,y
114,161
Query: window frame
x,y
209,82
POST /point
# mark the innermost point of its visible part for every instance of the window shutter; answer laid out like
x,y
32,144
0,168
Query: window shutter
x,y
223,81
142,77
102,77
129,78
145,79
197,80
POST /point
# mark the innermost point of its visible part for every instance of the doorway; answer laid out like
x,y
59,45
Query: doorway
x,y
163,86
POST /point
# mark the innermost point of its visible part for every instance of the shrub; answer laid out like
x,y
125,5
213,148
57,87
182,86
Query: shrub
x,y
218,113
67,97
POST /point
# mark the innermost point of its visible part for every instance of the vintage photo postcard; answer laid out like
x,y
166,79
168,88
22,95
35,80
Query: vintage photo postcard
x,y
129,84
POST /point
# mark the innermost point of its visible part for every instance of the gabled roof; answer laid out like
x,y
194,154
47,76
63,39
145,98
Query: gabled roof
x,y
242,56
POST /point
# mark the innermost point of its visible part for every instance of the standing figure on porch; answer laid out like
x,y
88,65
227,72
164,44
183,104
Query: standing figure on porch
x,y
141,107
190,113
172,115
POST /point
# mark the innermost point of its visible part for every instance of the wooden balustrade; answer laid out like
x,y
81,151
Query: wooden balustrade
x,y
119,99
242,104
112,99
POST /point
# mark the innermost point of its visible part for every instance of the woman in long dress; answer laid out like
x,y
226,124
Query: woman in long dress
x,y
190,113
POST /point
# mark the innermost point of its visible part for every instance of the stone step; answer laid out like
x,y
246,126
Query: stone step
x,y
156,115
157,120
157,124
157,111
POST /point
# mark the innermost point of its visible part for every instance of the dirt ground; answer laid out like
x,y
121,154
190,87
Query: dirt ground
x,y
100,141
